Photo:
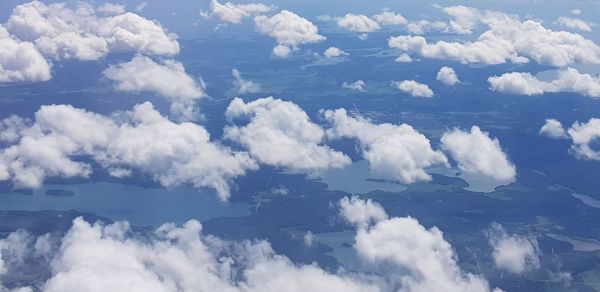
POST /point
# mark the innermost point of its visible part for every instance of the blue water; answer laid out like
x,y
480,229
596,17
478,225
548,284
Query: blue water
x,y
140,206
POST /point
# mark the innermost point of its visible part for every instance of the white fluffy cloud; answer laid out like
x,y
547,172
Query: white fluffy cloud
x,y
516,254
581,134
423,26
289,31
357,23
61,32
567,80
428,259
574,23
280,133
358,85
507,39
96,257
333,52
447,76
167,79
390,18
243,86
170,153
235,13
553,129
361,212
476,153
413,88
396,152
21,61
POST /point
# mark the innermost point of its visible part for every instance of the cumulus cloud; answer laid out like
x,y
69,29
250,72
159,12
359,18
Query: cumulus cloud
x,y
243,86
361,212
413,88
428,260
396,152
289,31
553,129
581,134
235,13
423,26
357,23
404,58
574,23
513,253
358,85
507,39
21,61
447,76
567,80
280,133
96,257
389,18
141,139
464,19
477,153
333,52
167,79
61,32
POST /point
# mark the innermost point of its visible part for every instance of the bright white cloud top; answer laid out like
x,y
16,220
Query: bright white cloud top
x,y
566,80
581,134
396,152
289,31
333,52
389,18
357,85
447,76
361,212
167,79
507,40
477,153
413,88
141,139
280,133
513,253
21,61
80,33
234,13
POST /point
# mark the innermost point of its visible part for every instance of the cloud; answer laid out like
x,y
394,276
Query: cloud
x,y
357,23
575,11
21,61
61,32
96,257
428,261
333,52
280,133
553,129
581,134
423,26
141,139
476,153
404,58
112,9
413,88
574,23
235,13
447,76
167,79
289,31
243,86
513,253
361,212
358,85
389,18
464,19
396,152
566,80
507,39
